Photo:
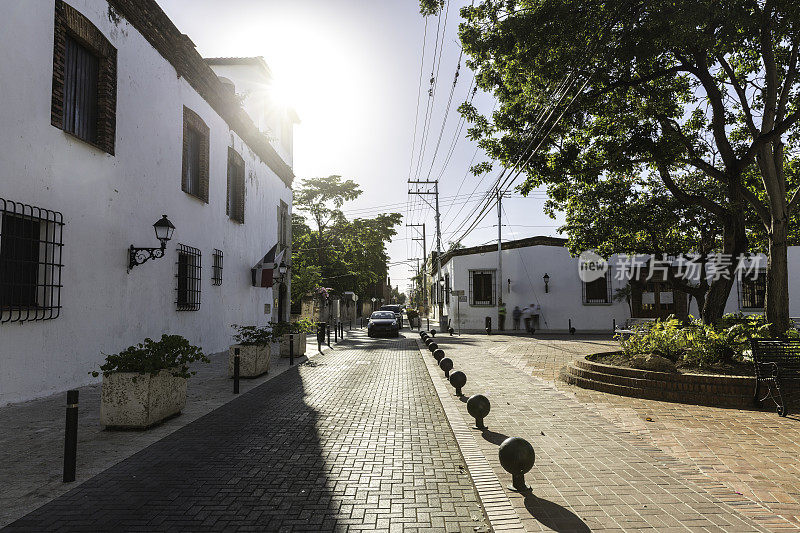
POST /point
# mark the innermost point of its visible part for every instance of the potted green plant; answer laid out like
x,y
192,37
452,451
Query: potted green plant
x,y
146,383
252,346
300,329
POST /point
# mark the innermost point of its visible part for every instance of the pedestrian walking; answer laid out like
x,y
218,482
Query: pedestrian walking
x,y
516,314
501,316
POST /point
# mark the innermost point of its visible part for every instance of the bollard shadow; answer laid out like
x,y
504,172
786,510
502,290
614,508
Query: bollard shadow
x,y
493,437
463,398
554,516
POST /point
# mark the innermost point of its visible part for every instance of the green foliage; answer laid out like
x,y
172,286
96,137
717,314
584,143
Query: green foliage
x,y
698,344
304,325
345,255
430,7
252,335
150,357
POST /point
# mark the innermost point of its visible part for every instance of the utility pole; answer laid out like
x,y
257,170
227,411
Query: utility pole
x,y
435,193
424,270
499,252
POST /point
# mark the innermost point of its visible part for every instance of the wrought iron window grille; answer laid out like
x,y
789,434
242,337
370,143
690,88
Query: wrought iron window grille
x,y
597,291
30,262
188,280
216,270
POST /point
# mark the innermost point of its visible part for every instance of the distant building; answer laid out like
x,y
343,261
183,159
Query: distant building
x,y
565,299
110,120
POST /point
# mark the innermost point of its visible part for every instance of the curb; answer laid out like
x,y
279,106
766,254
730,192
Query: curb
x,y
495,502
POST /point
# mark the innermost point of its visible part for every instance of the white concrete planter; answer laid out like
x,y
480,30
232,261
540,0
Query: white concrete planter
x,y
253,360
138,401
299,345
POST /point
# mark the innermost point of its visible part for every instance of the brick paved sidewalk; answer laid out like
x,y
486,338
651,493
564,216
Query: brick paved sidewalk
x,y
353,440
747,457
590,474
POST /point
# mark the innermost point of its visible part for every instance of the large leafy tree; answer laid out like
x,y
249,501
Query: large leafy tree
x,y
685,91
337,253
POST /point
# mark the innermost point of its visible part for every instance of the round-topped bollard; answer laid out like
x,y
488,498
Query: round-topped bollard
x,y
433,346
451,331
423,335
438,355
446,364
458,379
433,333
478,407
427,341
516,458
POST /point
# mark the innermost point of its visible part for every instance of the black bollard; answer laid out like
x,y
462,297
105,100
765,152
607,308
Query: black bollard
x,y
446,364
451,331
341,330
571,329
438,354
329,336
291,349
236,362
478,406
432,346
320,336
488,323
458,379
433,333
336,332
71,437
516,458
613,325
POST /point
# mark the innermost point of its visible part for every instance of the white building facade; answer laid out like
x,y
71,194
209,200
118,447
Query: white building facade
x,y
112,119
539,273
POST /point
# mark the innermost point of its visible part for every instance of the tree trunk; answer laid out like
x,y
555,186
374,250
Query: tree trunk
x,y
777,300
734,245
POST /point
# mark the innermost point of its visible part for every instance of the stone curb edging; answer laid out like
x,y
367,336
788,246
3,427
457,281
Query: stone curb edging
x,y
495,502
696,389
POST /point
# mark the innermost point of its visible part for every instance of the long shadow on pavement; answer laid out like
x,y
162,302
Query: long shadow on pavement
x,y
554,516
255,462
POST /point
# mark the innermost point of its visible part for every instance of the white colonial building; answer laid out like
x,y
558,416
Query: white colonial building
x,y
112,119
539,273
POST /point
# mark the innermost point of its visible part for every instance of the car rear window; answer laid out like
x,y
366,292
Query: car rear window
x,y
385,314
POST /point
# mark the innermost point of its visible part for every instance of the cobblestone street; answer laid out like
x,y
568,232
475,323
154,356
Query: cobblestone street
x,y
354,440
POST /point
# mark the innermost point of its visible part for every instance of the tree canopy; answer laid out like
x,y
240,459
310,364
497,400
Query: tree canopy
x,y
336,253
702,97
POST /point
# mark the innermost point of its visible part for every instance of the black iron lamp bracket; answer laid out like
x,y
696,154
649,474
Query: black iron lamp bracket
x,y
139,256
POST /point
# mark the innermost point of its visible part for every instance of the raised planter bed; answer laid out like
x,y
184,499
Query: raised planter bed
x,y
131,400
253,359
299,344
697,389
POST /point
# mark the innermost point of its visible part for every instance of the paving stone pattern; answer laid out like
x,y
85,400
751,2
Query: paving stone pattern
x,y
590,473
748,458
354,440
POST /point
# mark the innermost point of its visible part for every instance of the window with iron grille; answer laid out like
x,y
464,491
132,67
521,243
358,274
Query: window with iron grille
x,y
84,95
30,262
188,278
598,291
195,155
753,290
234,207
482,287
216,269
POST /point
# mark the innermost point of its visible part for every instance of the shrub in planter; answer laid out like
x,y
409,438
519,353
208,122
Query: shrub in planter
x,y
300,329
146,383
252,343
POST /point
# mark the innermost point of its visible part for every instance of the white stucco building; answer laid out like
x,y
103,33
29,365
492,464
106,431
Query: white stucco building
x,y
112,119
564,299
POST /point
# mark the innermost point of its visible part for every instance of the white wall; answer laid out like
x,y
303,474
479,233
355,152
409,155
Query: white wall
x,y
110,202
564,300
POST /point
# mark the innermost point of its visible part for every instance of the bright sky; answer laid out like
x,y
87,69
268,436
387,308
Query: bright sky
x,y
351,69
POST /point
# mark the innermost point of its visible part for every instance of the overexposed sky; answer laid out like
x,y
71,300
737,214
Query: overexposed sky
x,y
351,69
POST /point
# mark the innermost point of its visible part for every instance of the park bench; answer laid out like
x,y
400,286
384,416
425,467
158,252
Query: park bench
x,y
777,364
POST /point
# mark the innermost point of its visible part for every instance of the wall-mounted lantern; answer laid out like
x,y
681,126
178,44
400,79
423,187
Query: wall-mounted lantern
x,y
283,269
164,230
546,279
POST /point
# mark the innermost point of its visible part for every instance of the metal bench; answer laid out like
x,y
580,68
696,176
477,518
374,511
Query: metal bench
x,y
777,363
